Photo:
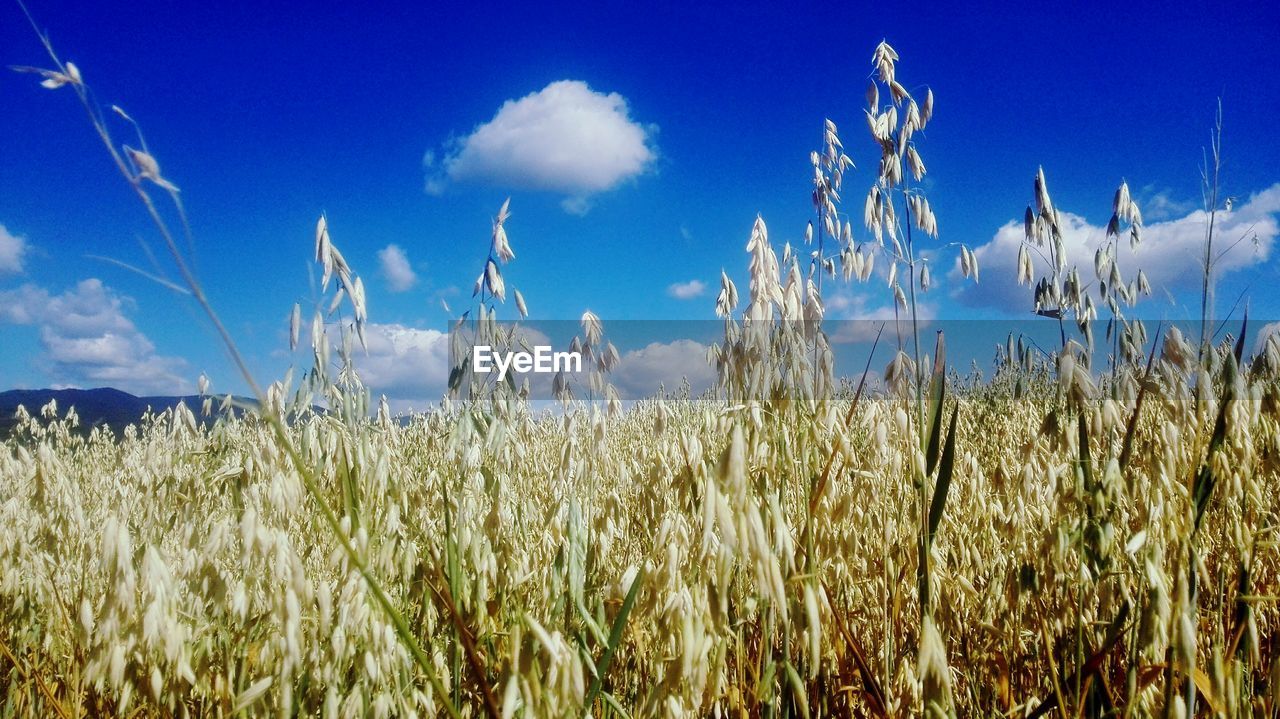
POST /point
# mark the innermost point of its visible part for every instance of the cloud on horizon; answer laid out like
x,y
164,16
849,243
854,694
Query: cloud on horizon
x,y
88,341
1164,254
641,371
406,364
565,138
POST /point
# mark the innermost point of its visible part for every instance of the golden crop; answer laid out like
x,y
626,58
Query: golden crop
x,y
1057,538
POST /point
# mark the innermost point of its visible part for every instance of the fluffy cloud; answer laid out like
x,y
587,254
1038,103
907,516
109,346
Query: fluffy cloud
x,y
565,138
576,205
411,366
640,372
406,364
1260,342
1162,205
396,270
853,318
687,290
12,249
1168,253
88,341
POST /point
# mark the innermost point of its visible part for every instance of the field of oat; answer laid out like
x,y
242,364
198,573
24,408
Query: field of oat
x,y
1086,531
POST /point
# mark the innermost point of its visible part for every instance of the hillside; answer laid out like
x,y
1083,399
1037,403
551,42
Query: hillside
x,y
102,406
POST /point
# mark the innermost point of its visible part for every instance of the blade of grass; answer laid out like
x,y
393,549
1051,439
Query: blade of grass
x,y
873,690
821,484
440,590
615,638
1091,666
1206,479
937,393
1126,451
946,466
1084,460
1244,331
44,688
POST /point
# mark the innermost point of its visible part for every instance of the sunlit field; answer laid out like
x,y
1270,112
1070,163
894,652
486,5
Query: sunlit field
x,y
1084,528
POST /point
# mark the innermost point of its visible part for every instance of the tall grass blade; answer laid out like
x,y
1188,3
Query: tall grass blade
x,y
946,466
615,638
1206,479
1131,427
937,393
1244,332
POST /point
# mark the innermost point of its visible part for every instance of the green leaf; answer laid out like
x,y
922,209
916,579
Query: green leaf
x,y
797,689
1085,461
1244,330
457,373
765,682
937,392
613,704
945,467
615,638
1206,479
596,632
1126,450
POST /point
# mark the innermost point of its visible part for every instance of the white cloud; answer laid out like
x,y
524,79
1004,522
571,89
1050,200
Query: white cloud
x,y
1169,252
687,290
88,341
565,138
1162,205
577,205
411,366
396,269
1260,342
640,372
853,318
404,363
12,249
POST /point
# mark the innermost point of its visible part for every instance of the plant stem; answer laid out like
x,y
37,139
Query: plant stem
x,y
1211,190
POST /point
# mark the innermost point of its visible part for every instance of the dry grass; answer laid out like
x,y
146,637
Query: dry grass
x,y
1081,544
180,569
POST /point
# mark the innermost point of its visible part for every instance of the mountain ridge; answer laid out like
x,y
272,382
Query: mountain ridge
x,y
100,406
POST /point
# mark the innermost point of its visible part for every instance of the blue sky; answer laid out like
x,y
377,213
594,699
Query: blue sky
x,y
268,115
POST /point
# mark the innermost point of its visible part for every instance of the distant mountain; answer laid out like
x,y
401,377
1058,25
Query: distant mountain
x,y
103,406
